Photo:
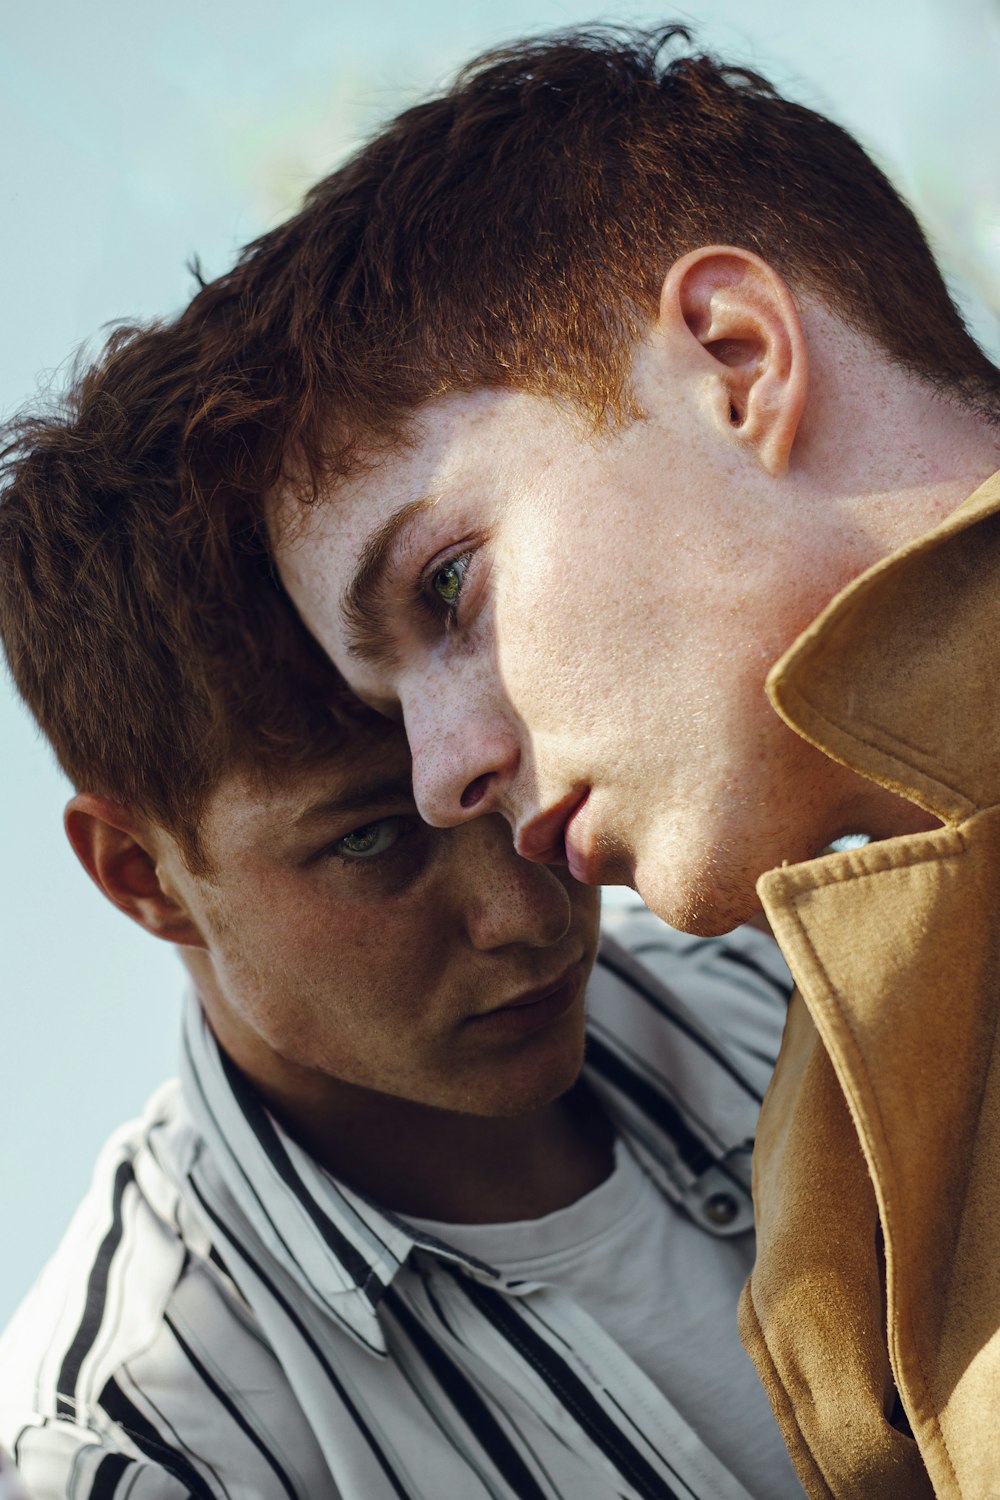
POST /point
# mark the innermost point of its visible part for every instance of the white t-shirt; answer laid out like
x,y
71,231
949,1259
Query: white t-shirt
x,y
666,1292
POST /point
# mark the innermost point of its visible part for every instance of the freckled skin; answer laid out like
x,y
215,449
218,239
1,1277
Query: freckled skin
x,y
345,992
630,594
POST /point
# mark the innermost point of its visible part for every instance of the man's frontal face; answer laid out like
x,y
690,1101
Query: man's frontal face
x,y
577,628
348,942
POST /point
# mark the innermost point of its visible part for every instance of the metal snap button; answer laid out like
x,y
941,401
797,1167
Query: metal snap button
x,y
721,1208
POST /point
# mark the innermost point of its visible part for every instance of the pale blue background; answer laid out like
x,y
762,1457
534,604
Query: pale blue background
x,y
133,136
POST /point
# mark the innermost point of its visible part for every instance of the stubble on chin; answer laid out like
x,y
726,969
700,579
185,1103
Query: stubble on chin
x,y
712,898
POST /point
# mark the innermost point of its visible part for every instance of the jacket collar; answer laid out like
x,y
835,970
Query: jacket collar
x,y
872,682
892,947
898,679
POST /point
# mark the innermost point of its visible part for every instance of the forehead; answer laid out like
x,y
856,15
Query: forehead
x,y
466,452
439,438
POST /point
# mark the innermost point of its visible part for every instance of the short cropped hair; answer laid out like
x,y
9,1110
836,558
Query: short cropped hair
x,y
516,230
151,671
513,232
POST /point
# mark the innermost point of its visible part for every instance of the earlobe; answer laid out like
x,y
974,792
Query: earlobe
x,y
120,857
740,313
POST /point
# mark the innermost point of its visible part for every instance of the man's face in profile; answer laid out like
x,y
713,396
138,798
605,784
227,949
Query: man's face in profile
x,y
577,628
348,943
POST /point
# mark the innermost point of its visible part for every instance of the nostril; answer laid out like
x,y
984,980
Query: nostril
x,y
475,792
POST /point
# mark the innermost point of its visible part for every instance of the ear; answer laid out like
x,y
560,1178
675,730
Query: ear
x,y
742,315
120,855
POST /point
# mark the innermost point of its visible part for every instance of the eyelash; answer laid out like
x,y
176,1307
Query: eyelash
x,y
446,610
400,825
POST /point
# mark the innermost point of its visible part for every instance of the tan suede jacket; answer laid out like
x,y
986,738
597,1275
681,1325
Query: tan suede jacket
x,y
877,1169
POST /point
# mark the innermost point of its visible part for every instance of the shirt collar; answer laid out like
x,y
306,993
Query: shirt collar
x,y
271,1200
274,1199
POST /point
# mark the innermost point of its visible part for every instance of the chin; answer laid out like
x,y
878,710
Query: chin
x,y
706,904
527,1086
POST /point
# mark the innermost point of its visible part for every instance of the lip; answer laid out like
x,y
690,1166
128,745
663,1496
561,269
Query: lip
x,y
543,839
585,863
532,1009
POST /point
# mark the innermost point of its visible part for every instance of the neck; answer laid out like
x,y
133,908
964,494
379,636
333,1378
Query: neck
x,y
884,815
888,448
457,1168
410,1157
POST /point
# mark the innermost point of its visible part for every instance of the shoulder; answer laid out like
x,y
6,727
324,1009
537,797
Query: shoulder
x,y
123,1370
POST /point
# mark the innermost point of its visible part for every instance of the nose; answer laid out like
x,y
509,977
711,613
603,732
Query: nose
x,y
465,753
508,900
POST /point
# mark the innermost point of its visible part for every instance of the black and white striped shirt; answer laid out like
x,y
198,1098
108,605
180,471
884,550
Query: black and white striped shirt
x,y
224,1319
10,1484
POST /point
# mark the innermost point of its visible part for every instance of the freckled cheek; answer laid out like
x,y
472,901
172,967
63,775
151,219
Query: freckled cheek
x,y
537,609
361,958
585,906
350,997
561,638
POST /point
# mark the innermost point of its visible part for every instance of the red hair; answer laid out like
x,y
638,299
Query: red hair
x,y
514,231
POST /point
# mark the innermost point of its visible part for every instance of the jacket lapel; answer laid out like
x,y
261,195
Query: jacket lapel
x,y
875,1174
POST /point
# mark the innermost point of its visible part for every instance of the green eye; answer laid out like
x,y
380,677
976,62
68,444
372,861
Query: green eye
x,y
447,581
371,840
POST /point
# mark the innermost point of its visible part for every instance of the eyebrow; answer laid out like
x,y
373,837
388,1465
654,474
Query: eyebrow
x,y
368,636
359,797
